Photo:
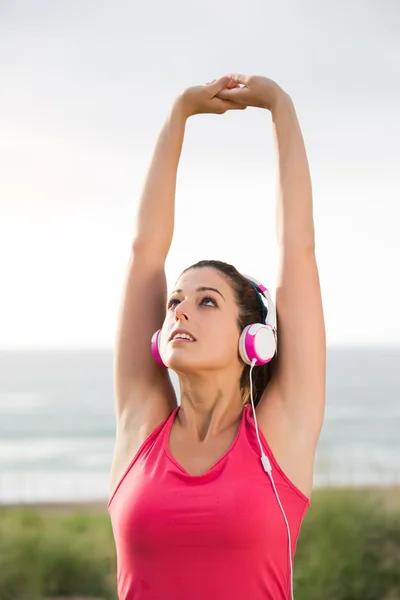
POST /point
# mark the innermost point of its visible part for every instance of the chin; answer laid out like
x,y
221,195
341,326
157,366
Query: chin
x,y
186,362
179,362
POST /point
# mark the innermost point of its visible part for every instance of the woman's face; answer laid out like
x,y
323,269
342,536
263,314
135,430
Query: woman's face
x,y
203,304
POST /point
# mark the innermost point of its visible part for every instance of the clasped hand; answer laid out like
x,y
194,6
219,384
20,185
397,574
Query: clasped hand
x,y
232,92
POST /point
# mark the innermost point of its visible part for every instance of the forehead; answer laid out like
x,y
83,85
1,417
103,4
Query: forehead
x,y
203,277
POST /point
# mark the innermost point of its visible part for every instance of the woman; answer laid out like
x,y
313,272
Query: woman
x,y
194,513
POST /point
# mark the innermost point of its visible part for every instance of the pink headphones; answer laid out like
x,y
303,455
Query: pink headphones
x,y
257,342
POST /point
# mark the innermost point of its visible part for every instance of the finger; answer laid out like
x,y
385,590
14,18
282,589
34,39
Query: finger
x,y
231,94
231,85
239,78
220,84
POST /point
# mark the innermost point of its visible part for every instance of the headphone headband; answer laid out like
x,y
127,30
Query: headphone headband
x,y
260,302
261,289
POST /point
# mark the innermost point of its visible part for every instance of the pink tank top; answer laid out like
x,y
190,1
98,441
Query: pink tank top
x,y
208,537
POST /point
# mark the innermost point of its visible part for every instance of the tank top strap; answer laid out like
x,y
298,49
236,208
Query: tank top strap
x,y
159,432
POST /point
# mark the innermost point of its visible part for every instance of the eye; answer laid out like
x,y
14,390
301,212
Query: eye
x,y
207,298
172,302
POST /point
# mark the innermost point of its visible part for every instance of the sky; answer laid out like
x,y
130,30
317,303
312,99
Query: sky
x,y
86,87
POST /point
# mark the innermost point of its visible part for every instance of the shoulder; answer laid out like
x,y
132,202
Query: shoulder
x,y
132,440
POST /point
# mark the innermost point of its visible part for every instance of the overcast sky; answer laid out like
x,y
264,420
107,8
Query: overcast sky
x,y
86,86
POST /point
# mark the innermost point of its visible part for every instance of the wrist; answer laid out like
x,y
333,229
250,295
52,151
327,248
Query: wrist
x,y
180,108
279,100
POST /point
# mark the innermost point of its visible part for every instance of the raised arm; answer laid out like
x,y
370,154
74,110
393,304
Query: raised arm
x,y
140,384
301,361
144,295
293,402
144,395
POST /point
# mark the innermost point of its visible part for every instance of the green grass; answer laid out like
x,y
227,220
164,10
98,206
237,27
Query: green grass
x,y
47,553
349,549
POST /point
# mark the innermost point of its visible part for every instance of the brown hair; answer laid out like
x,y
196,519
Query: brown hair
x,y
249,311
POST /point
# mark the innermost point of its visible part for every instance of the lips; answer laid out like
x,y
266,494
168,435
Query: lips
x,y
185,331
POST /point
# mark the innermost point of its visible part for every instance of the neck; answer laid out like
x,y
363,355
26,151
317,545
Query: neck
x,y
209,404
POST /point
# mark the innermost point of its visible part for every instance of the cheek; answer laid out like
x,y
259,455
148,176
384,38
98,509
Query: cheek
x,y
224,340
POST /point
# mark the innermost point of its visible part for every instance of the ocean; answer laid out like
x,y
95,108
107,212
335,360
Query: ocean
x,y
57,423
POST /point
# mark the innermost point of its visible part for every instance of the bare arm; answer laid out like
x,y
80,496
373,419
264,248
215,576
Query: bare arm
x,y
144,395
292,406
141,385
294,206
155,216
300,369
299,379
145,291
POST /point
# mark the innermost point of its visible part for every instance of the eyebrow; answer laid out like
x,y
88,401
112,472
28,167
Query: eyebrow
x,y
200,289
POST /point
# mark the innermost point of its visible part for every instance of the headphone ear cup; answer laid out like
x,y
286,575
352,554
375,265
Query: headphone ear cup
x,y
155,348
257,341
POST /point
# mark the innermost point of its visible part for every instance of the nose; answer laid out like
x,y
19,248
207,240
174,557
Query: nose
x,y
181,311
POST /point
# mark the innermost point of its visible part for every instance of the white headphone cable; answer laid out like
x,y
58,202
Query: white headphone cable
x,y
268,469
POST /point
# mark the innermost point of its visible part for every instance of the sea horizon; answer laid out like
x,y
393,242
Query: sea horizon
x,y
57,422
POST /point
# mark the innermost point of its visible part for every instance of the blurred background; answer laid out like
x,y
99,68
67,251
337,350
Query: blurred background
x,y
86,86
57,423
